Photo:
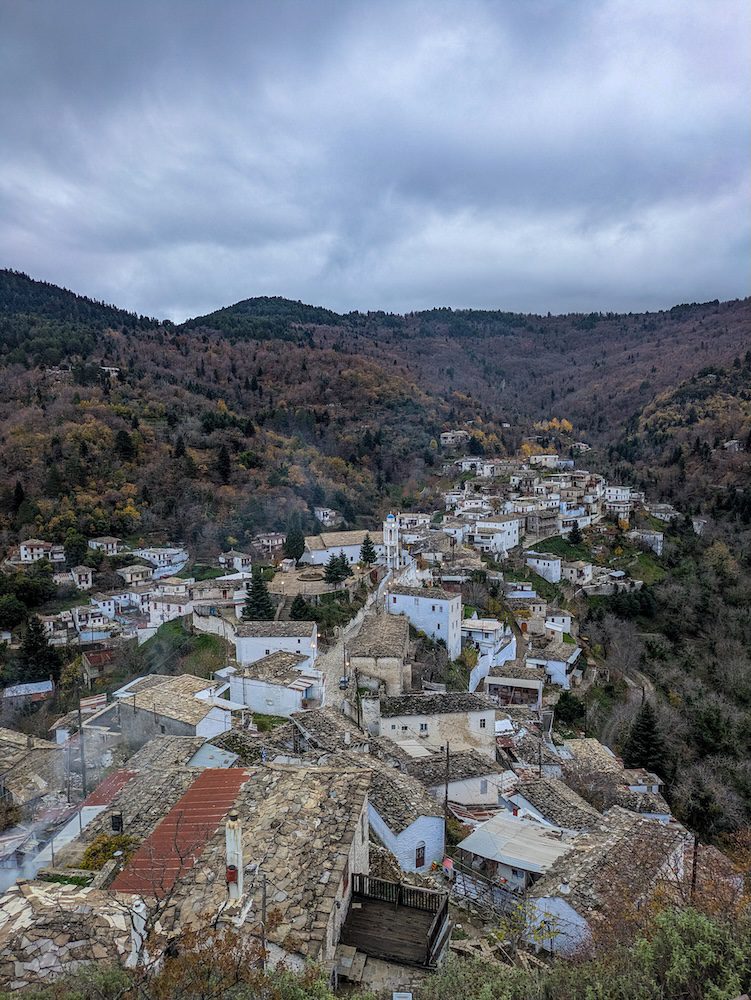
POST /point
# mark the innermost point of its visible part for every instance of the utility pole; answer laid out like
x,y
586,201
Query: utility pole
x,y
539,758
83,752
263,921
694,868
446,802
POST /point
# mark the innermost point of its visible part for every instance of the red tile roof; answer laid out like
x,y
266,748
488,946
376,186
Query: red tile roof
x,y
178,841
106,790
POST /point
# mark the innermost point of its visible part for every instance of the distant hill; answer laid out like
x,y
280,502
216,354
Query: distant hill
x,y
311,407
693,442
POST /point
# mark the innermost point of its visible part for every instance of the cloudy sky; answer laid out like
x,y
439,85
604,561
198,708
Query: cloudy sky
x,y
173,156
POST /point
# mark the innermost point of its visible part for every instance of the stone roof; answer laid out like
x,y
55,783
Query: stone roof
x,y
590,754
328,729
165,751
558,803
429,593
397,797
47,929
143,801
298,825
280,667
29,767
603,862
340,539
261,629
431,771
641,802
143,684
517,669
175,699
434,704
381,635
251,749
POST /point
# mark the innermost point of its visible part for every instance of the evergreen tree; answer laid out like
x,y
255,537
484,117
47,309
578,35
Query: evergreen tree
x,y
575,535
294,543
336,569
223,464
18,497
258,604
36,658
179,450
645,746
300,610
367,551
124,446
76,548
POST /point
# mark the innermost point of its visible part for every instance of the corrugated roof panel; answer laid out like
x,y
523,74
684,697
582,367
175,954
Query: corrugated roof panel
x,y
178,841
106,790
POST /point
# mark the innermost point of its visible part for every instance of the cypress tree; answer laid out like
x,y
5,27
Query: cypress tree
x,y
645,746
300,610
294,543
258,604
37,659
223,464
367,551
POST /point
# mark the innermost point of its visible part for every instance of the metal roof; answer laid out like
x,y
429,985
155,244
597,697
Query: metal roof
x,y
514,842
106,790
178,841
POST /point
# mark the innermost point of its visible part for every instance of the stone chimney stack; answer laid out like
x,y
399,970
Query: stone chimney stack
x,y
234,842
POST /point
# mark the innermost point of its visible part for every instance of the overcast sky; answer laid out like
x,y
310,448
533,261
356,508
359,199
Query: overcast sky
x,y
173,157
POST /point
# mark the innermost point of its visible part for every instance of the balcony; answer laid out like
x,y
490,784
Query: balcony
x,y
396,922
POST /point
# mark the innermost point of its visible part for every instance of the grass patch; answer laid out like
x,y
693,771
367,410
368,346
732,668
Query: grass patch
x,y
560,546
79,880
174,650
542,587
266,723
203,572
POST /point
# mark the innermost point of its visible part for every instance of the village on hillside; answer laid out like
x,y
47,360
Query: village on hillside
x,y
379,760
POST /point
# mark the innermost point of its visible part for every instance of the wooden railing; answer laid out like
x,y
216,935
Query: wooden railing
x,y
397,893
437,933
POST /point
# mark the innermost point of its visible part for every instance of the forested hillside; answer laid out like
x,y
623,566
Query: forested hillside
x,y
232,422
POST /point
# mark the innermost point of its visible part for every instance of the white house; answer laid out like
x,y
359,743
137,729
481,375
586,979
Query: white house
x,y
495,644
241,562
406,820
516,683
327,516
546,566
496,536
512,852
431,610
320,548
166,560
597,873
474,780
464,721
278,684
105,543
576,573
256,639
559,660
33,549
653,540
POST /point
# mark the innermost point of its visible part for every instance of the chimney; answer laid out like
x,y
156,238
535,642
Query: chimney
x,y
29,742
564,888
347,737
234,843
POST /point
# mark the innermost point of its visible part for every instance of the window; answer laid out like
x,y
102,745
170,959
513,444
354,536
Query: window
x,y
404,729
423,727
345,876
432,607
393,725
420,855
162,729
483,786
438,626
483,723
267,652
393,600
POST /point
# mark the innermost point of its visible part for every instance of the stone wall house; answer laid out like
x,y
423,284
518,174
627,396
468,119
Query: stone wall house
x,y
378,655
431,610
463,720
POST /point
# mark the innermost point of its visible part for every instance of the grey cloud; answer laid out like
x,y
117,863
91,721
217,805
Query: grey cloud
x,y
174,156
